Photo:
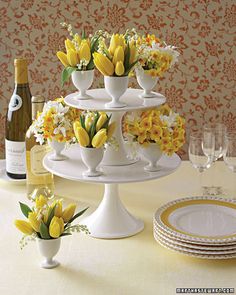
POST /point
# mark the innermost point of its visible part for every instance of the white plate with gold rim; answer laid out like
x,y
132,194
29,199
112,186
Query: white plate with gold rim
x,y
196,255
205,220
5,178
193,250
183,243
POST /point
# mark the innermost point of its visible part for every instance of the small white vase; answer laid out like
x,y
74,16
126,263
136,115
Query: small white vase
x,y
92,157
82,81
48,249
57,147
152,153
115,87
147,82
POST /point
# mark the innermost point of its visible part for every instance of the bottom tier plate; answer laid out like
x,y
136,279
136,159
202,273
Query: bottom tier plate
x,y
73,167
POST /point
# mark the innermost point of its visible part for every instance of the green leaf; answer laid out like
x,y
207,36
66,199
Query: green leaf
x,y
44,232
25,209
94,44
127,57
105,125
50,216
93,127
76,216
90,66
130,68
83,34
66,74
82,121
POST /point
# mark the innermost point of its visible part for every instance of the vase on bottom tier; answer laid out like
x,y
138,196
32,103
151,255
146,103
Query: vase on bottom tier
x,y
92,157
48,249
116,87
57,147
147,82
152,153
82,81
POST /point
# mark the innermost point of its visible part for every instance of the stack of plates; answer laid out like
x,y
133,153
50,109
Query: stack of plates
x,y
203,227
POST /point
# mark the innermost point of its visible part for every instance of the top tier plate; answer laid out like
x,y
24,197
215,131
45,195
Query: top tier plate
x,y
100,98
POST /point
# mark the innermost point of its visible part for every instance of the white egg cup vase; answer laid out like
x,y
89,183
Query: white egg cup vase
x,y
82,80
57,147
92,157
152,153
48,249
147,83
116,87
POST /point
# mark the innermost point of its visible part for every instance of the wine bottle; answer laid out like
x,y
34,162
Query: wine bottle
x,y
18,120
39,180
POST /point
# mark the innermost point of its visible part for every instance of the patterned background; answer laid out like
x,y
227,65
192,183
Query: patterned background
x,y
201,87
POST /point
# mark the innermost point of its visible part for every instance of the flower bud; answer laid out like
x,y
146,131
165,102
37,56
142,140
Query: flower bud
x,y
82,136
100,138
118,55
84,52
68,212
119,69
56,227
40,201
101,121
69,45
33,220
72,57
63,58
103,64
24,226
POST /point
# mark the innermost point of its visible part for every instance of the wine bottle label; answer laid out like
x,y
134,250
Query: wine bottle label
x,y
15,157
37,154
15,103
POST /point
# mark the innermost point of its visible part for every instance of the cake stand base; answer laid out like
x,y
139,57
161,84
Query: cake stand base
x,y
111,220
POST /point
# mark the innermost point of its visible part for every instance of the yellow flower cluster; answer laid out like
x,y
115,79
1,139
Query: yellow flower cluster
x,y
160,125
77,51
93,130
118,59
47,221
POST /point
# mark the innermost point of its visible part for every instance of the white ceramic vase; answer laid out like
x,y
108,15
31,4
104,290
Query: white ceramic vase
x,y
48,249
116,87
92,157
57,147
82,81
147,82
152,153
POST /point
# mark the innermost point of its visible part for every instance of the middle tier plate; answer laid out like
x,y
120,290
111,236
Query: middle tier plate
x,y
73,167
100,97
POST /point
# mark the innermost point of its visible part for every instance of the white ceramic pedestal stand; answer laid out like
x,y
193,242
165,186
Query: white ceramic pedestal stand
x,y
111,219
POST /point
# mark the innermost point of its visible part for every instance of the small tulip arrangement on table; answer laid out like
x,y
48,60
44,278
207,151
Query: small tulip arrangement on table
x,y
47,223
156,131
93,131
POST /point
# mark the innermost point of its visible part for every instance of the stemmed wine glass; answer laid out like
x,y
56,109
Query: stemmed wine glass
x,y
219,131
201,150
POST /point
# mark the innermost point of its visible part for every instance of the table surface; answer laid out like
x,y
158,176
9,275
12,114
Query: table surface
x,y
134,265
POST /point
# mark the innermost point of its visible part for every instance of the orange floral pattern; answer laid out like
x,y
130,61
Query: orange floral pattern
x,y
200,87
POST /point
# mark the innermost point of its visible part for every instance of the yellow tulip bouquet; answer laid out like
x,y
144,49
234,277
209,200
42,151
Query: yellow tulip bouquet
x,y
119,58
94,129
55,122
79,52
160,125
154,56
48,220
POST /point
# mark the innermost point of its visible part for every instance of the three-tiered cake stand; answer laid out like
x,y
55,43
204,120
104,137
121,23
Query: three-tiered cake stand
x,y
111,219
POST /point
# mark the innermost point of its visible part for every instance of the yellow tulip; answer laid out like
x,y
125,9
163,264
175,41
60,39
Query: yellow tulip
x,y
88,121
102,119
118,55
116,40
69,45
34,221
111,129
68,212
119,70
56,227
72,57
132,57
24,226
40,201
82,136
63,58
103,64
58,209
84,52
77,39
100,138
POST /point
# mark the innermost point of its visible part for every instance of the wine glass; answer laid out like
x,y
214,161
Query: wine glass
x,y
219,130
201,150
230,151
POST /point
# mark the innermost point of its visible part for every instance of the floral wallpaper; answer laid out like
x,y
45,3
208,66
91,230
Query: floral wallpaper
x,y
201,86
